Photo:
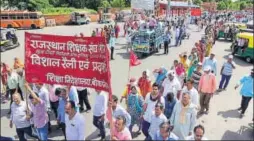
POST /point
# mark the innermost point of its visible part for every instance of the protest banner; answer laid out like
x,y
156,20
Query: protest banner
x,y
67,60
195,12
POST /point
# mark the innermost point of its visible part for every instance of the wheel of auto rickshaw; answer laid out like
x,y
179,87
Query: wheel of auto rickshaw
x,y
248,59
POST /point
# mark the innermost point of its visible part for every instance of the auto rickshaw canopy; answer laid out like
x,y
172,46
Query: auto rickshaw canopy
x,y
248,36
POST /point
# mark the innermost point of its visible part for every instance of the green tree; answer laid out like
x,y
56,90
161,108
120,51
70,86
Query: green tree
x,y
105,4
118,3
34,5
56,3
243,5
221,5
197,2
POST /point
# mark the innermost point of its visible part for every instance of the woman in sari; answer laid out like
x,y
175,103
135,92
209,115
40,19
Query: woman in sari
x,y
180,71
135,108
193,62
144,83
192,68
160,74
127,89
4,68
18,64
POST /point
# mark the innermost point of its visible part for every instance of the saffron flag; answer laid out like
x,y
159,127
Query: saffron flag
x,y
134,61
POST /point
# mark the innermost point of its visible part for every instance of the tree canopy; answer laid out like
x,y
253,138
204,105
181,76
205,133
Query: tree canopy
x,y
94,4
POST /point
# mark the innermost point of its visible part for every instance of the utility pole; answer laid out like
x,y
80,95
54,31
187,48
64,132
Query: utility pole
x,y
168,10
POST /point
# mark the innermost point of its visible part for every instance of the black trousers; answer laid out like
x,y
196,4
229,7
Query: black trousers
x,y
83,98
63,126
97,122
49,124
165,47
112,52
54,106
21,133
245,103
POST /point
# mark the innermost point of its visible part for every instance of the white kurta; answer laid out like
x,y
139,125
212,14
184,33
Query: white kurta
x,y
182,130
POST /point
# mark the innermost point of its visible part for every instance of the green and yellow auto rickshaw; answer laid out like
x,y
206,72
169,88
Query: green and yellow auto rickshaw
x,y
8,39
246,50
230,35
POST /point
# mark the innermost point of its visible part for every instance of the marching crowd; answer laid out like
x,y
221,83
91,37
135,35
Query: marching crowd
x,y
166,109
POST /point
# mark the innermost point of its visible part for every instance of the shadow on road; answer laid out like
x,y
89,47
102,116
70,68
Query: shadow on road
x,y
56,132
125,55
159,54
93,135
227,50
244,133
4,113
229,114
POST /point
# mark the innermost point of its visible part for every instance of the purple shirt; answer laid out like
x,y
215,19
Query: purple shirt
x,y
40,116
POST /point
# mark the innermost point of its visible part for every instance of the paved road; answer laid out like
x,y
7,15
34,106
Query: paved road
x,y
223,121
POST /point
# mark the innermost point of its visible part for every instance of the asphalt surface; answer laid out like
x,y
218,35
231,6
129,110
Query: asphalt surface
x,y
222,123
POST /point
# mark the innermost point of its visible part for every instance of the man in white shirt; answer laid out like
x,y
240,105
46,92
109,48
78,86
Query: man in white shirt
x,y
75,123
149,106
99,112
171,84
189,89
21,81
20,118
157,118
177,36
12,82
199,132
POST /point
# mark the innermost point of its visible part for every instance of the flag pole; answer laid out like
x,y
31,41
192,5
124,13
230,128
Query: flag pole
x,y
129,73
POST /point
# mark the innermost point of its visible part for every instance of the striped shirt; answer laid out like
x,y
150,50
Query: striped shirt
x,y
196,77
227,68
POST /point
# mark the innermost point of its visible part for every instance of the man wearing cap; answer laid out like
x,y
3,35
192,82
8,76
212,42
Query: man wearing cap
x,y
226,73
211,62
246,91
207,87
171,84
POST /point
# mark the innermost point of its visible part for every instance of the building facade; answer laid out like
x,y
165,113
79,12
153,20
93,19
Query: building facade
x,y
177,7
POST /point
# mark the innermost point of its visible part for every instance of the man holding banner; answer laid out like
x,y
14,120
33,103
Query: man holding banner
x,y
70,61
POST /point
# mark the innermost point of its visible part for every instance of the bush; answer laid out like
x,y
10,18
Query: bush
x,y
65,10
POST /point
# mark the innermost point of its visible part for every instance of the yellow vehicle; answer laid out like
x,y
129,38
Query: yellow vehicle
x,y
246,50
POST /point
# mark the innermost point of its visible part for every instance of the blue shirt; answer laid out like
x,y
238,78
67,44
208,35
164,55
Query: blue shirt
x,y
161,76
169,106
73,96
61,110
167,36
158,137
227,69
211,63
247,86
112,42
